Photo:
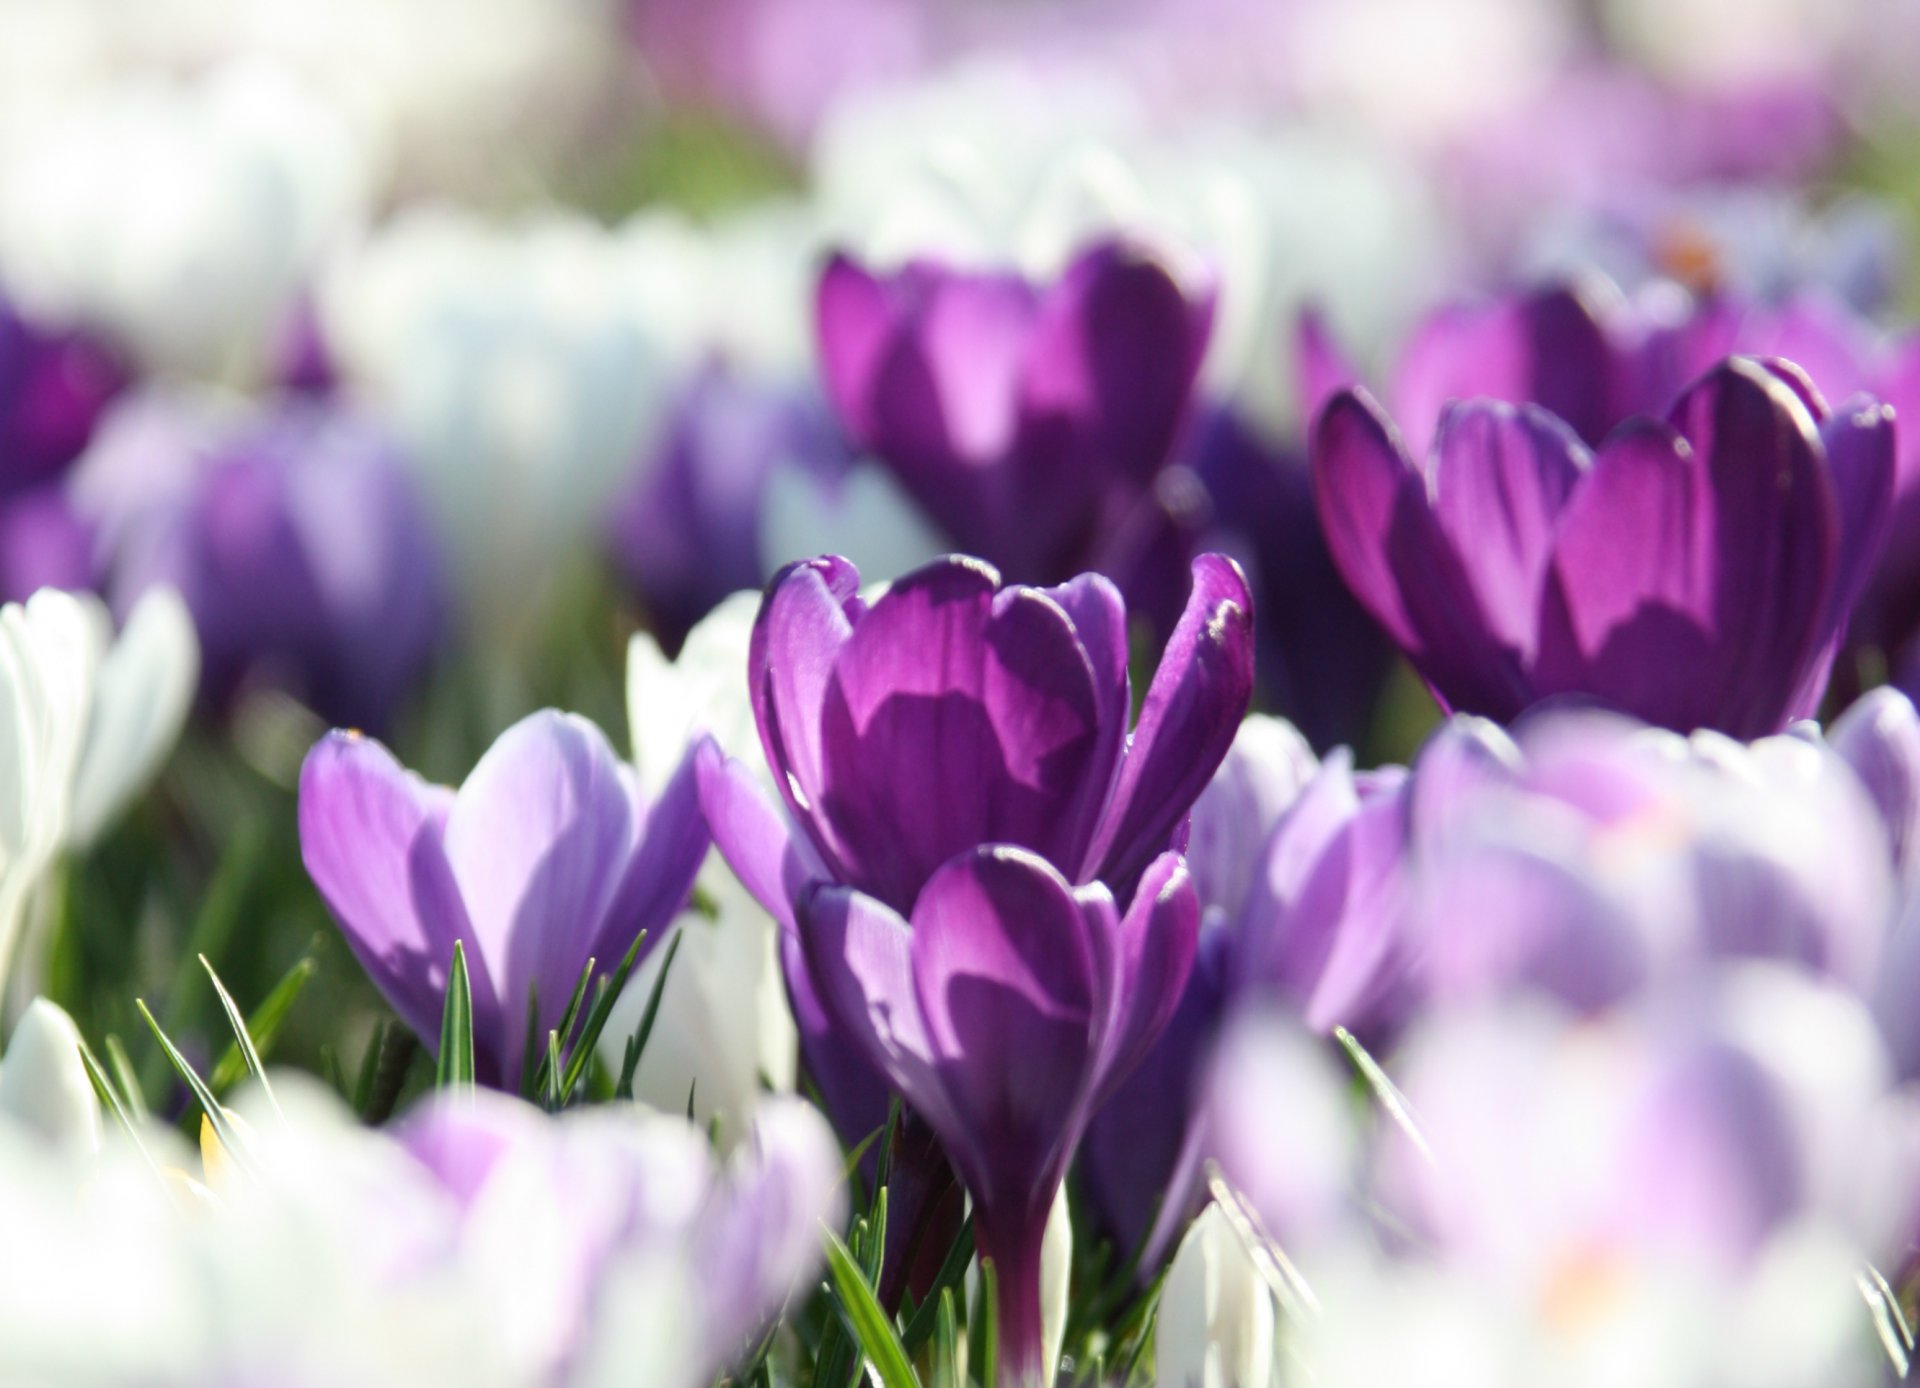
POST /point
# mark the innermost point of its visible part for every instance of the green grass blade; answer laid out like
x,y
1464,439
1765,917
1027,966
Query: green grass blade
x,y
263,1026
129,1078
229,1135
946,1343
989,1321
456,1026
952,1269
105,1089
603,1003
532,1064
249,1055
552,1071
877,1338
638,1046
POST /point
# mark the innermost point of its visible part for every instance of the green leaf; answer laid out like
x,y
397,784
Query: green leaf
x,y
952,1269
456,1026
264,1025
104,1088
946,1345
551,1070
532,1063
989,1323
637,1045
229,1135
603,1003
250,1057
129,1078
1384,1089
878,1340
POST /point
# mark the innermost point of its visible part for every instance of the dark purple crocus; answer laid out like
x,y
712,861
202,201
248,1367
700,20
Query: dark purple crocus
x,y
961,732
547,856
688,532
1031,421
293,533
54,384
1695,573
1004,1013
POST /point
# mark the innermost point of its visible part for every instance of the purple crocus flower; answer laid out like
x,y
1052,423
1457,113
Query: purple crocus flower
x,y
546,857
294,535
1031,421
1008,1008
53,387
975,736
1696,573
688,533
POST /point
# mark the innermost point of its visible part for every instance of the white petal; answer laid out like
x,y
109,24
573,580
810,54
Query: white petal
x,y
1216,1315
145,689
704,691
44,1086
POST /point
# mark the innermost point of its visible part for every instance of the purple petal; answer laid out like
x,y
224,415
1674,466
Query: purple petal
x,y
807,616
1632,597
1157,937
1464,755
459,1137
753,835
1115,349
1367,491
1006,978
1193,708
1879,737
671,841
958,716
539,839
855,1090
1502,476
370,835
859,960
1322,369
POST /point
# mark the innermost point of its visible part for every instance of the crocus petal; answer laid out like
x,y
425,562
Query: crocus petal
x,y
859,960
1321,367
43,1083
146,687
1157,937
1463,756
1369,496
1501,478
855,324
958,715
1196,701
1006,980
671,842
1631,600
1216,1314
371,837
460,1137
538,839
1115,348
1879,737
807,616
752,835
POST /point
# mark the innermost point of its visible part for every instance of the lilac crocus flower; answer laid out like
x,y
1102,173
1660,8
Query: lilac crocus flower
x,y
612,1231
292,532
1696,573
547,856
1030,420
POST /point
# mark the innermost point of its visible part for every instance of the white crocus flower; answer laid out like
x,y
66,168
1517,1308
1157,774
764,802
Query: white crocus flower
x,y
85,722
43,1084
181,218
724,1029
1216,1314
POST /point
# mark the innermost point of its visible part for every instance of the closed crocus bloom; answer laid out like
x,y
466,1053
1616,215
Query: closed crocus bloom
x,y
547,856
1003,1012
1696,573
44,1086
1029,420
292,531
1879,737
1215,1326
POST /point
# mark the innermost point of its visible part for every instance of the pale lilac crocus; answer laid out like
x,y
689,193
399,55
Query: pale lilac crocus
x,y
547,856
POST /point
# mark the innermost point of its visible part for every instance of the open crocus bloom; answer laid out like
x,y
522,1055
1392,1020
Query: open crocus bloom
x,y
1695,573
1029,419
547,856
